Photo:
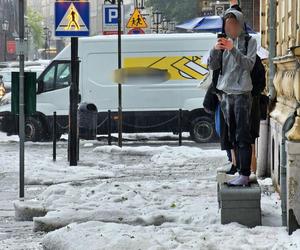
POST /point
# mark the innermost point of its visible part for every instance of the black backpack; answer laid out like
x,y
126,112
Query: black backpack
x,y
211,100
258,77
258,73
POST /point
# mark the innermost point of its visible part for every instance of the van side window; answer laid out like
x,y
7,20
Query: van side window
x,y
58,76
63,75
48,80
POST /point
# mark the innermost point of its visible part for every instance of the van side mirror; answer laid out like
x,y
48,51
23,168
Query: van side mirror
x,y
40,86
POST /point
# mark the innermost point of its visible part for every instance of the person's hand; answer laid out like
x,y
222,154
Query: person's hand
x,y
219,45
224,43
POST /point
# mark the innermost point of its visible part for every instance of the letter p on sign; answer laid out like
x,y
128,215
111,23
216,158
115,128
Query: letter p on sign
x,y
111,16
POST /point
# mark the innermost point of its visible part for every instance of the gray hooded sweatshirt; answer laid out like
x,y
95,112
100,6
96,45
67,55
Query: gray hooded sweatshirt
x,y
236,66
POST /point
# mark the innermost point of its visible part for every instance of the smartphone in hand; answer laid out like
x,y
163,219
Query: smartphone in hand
x,y
222,35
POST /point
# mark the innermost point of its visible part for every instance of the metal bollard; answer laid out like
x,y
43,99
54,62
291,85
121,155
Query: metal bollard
x,y
109,127
180,126
54,131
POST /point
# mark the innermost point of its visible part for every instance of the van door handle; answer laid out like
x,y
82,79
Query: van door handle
x,y
79,98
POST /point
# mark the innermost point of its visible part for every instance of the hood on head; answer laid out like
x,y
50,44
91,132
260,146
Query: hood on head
x,y
239,16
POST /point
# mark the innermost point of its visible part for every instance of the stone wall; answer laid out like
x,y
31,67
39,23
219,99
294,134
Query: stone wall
x,y
283,136
293,180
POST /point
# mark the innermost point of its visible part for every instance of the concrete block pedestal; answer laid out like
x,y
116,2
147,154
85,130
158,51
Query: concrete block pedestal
x,y
240,204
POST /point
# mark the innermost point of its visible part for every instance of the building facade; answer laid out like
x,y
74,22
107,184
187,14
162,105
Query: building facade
x,y
251,9
279,145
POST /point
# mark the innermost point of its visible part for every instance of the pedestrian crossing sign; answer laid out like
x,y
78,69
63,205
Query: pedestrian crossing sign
x,y
136,20
72,18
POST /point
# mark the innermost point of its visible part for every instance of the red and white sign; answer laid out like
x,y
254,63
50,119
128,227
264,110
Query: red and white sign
x,y
136,31
111,32
11,47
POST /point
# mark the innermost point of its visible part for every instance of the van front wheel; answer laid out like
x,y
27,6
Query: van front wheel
x,y
34,130
202,129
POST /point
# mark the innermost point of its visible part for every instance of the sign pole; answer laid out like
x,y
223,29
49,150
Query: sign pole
x,y
74,99
21,98
72,20
120,115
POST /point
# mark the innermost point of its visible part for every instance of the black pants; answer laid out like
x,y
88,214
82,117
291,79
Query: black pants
x,y
237,110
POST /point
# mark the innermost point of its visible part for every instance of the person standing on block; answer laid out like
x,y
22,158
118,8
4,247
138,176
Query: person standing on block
x,y
236,63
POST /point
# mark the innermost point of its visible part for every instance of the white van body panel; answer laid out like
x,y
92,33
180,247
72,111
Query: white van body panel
x,y
53,101
98,60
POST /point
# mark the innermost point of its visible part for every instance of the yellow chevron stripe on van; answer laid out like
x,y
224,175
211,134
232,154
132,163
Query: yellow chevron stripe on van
x,y
179,67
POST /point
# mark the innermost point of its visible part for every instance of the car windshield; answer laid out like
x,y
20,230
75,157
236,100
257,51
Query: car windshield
x,y
6,76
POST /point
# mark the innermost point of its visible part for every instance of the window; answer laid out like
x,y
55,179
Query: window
x,y
57,76
63,76
48,80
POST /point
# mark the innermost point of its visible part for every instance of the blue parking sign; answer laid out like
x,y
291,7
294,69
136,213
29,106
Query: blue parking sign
x,y
110,18
111,15
72,19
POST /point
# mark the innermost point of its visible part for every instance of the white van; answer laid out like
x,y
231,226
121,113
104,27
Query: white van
x,y
148,107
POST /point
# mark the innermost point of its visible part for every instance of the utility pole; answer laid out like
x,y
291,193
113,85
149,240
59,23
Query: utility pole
x,y
272,48
120,112
21,97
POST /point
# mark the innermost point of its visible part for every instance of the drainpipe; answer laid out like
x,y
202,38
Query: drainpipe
x,y
288,124
272,49
263,161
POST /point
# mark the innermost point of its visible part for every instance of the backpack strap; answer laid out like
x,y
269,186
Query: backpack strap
x,y
247,39
221,69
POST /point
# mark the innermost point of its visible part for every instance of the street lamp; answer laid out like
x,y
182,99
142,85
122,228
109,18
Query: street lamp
x,y
157,19
27,35
172,26
165,24
5,27
47,34
27,31
140,4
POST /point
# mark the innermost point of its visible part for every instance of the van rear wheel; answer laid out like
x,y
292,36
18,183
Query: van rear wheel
x,y
34,130
202,129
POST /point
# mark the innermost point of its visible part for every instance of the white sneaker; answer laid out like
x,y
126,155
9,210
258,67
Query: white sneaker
x,y
241,180
252,177
222,177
